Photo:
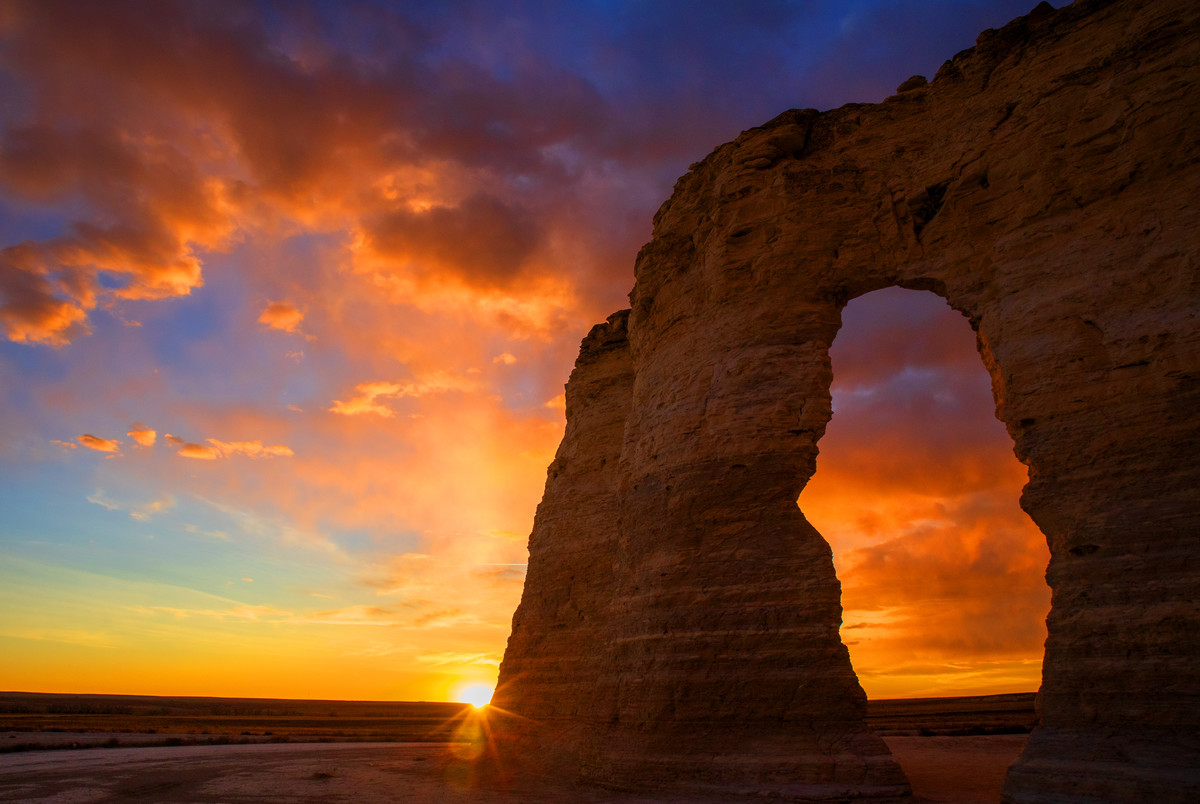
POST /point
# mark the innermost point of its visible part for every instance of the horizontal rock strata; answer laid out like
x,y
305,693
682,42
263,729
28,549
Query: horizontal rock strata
x,y
679,628
547,683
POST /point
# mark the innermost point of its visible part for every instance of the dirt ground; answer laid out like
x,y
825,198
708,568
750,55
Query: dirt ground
x,y
958,770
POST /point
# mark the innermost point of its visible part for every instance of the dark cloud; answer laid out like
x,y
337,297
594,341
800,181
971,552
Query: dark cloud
x,y
167,129
483,240
30,312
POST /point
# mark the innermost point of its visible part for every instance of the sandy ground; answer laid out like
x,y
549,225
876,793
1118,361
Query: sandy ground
x,y
956,770
961,770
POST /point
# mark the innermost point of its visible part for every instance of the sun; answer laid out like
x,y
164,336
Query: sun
x,y
477,695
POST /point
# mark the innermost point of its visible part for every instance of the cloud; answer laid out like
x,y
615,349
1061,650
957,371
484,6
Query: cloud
x,y
233,612
66,445
159,208
282,316
356,615
445,182
173,147
223,449
251,449
139,511
143,435
366,394
505,358
198,452
100,499
29,309
483,240
219,535
145,511
363,401
110,445
460,659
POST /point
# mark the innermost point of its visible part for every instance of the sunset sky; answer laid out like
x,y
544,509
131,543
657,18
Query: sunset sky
x,y
289,292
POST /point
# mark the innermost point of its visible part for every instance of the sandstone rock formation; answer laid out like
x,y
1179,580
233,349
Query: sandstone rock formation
x,y
679,626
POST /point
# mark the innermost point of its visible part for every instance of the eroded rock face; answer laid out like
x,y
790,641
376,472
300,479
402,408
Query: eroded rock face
x,y
679,627
551,665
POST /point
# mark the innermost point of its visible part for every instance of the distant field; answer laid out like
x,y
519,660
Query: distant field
x,y
228,719
974,715
30,720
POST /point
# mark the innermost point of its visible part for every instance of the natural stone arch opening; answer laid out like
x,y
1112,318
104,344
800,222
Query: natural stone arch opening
x,y
917,477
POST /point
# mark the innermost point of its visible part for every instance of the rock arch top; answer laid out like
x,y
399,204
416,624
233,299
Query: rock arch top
x,y
679,625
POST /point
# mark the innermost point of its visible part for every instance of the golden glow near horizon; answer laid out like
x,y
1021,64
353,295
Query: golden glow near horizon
x,y
476,694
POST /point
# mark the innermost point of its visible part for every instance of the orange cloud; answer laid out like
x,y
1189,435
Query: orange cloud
x,y
221,140
364,398
99,444
223,449
483,241
250,449
30,310
198,452
160,207
143,435
282,316
366,394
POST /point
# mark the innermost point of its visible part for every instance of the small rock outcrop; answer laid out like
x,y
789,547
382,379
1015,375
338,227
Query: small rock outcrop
x,y
679,626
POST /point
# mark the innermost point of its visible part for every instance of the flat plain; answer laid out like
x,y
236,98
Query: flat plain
x,y
954,750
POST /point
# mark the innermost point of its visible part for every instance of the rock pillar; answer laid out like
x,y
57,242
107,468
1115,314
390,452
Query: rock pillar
x,y
679,629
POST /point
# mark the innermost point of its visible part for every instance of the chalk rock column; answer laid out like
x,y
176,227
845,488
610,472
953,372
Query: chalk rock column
x,y
724,668
547,687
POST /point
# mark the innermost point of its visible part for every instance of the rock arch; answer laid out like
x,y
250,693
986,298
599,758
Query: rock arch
x,y
917,492
679,625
